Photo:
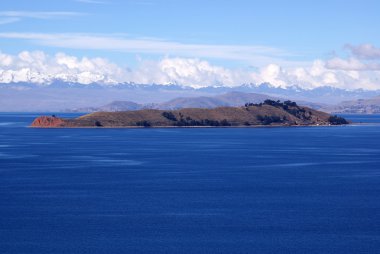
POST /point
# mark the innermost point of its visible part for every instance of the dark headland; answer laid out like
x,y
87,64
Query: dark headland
x,y
269,113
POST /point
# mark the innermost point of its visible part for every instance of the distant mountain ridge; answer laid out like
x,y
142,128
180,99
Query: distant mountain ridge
x,y
361,106
60,95
224,100
231,99
265,88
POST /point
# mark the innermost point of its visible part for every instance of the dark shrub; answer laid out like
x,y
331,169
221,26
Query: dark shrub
x,y
143,123
224,122
266,120
169,115
337,120
290,103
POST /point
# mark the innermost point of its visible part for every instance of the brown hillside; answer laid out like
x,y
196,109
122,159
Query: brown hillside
x,y
268,113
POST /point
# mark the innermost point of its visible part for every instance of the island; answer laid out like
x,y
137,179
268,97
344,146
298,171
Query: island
x,y
267,113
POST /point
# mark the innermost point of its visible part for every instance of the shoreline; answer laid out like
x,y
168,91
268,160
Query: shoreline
x,y
191,127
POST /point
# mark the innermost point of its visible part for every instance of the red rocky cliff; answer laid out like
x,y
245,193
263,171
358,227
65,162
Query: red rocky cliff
x,y
47,121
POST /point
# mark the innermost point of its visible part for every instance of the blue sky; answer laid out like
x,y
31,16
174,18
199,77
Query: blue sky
x,y
309,29
240,34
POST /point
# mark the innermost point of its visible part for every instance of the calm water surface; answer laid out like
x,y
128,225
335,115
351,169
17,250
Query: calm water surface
x,y
260,190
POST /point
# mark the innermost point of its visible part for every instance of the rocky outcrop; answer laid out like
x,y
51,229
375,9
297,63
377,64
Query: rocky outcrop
x,y
48,122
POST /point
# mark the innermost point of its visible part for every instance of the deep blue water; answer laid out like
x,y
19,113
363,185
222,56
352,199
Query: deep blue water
x,y
239,190
357,118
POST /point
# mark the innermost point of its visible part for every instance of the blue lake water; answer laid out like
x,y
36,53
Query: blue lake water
x,y
238,190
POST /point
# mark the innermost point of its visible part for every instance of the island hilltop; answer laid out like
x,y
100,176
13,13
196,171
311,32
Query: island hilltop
x,y
268,113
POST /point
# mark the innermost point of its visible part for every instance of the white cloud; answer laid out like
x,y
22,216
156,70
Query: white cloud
x,y
259,55
7,20
365,51
5,60
7,17
330,78
273,74
345,64
193,72
38,67
39,14
363,57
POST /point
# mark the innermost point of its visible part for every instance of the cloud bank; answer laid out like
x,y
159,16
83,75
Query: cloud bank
x,y
122,43
364,51
365,57
359,70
